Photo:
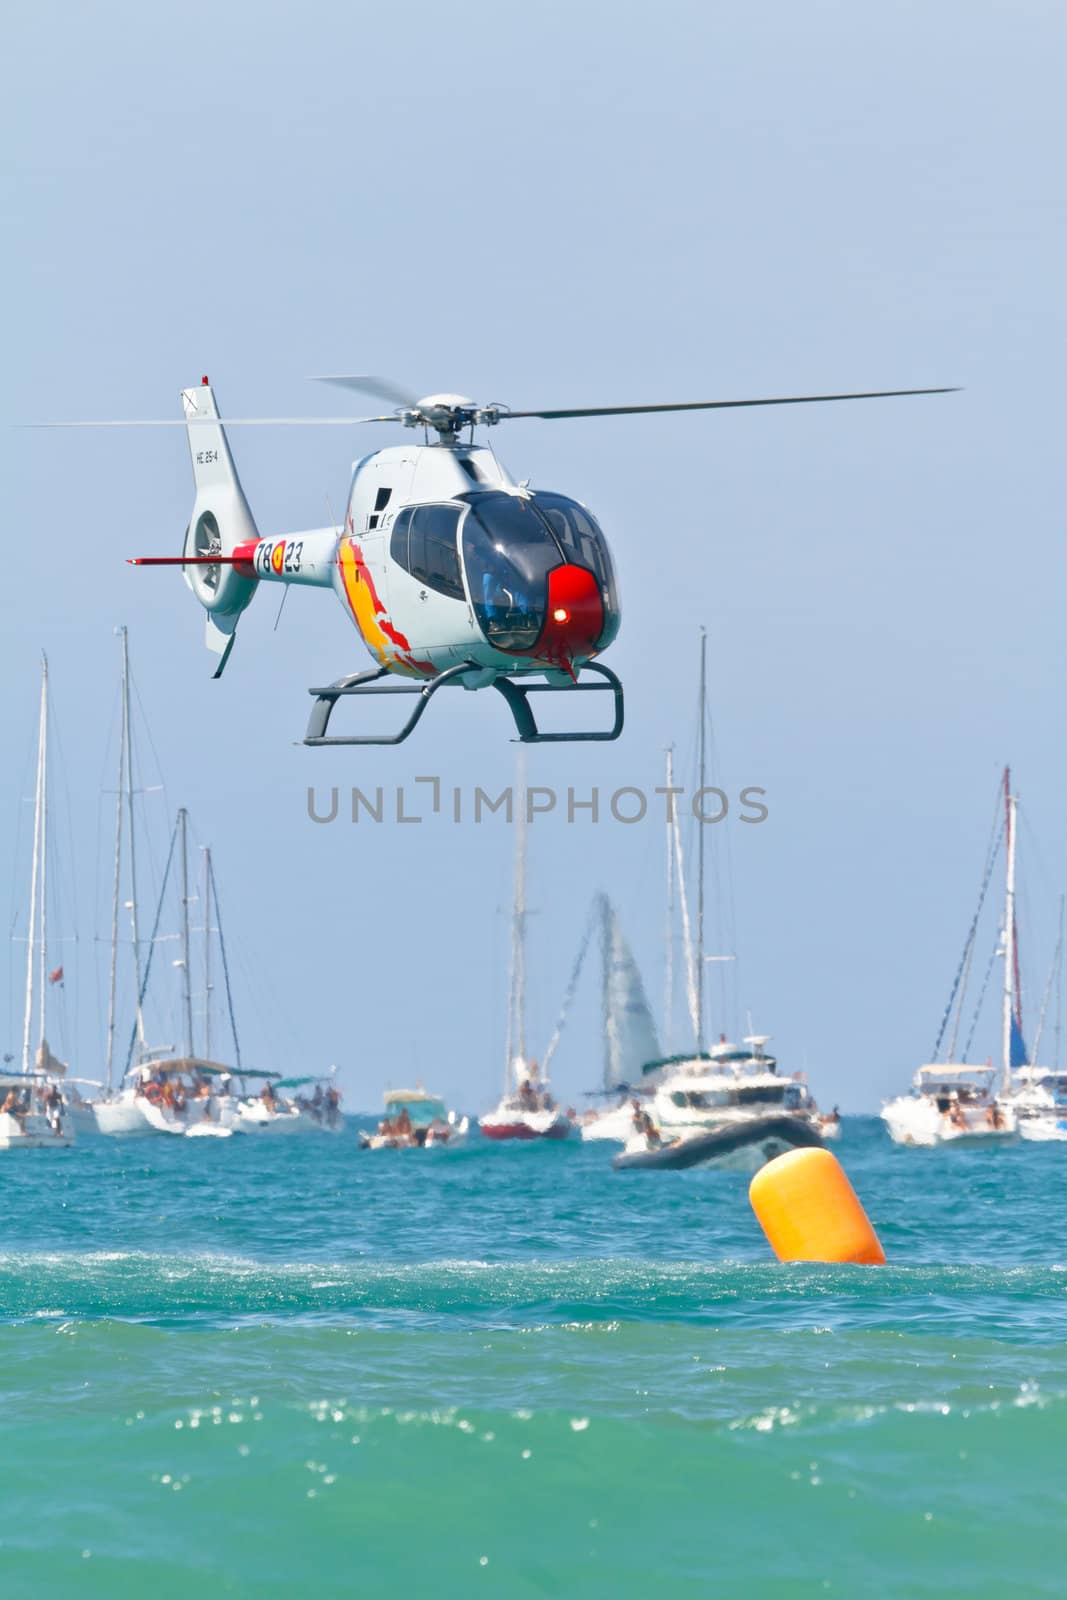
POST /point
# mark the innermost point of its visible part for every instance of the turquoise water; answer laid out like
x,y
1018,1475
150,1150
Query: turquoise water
x,y
249,1367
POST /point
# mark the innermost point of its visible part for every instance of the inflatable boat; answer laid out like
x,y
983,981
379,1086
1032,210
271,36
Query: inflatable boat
x,y
745,1146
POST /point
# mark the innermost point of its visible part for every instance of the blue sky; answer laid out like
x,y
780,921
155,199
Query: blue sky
x,y
553,205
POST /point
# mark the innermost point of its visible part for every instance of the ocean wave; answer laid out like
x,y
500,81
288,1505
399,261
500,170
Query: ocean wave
x,y
218,1290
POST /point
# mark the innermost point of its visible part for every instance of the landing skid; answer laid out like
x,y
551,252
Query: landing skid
x,y
516,695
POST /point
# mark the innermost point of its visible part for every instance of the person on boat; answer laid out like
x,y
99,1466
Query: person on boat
x,y
956,1116
13,1107
177,1098
645,1127
53,1108
403,1126
994,1117
266,1094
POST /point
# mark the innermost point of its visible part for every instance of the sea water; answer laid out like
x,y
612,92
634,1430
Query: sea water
x,y
276,1367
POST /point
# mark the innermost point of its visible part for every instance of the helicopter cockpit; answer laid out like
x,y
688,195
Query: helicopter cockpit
x,y
512,544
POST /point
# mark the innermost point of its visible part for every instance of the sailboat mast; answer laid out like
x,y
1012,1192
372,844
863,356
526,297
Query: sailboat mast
x,y
127,733
31,937
608,1018
116,890
517,986
668,964
42,956
187,995
207,952
702,743
1009,932
1059,988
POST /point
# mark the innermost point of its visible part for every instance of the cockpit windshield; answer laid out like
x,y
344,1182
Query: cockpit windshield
x,y
582,542
511,542
508,552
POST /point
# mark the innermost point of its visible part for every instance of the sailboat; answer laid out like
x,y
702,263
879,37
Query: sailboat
x,y
630,1038
954,1101
34,1112
165,1091
527,1109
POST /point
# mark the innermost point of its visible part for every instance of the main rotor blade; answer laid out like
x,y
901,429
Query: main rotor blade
x,y
225,422
378,388
717,405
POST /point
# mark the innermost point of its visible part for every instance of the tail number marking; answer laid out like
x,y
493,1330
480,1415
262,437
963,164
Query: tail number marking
x,y
276,557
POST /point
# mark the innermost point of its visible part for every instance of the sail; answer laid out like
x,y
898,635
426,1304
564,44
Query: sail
x,y
1018,1056
629,1031
45,1061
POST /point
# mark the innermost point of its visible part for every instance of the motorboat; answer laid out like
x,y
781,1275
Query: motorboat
x,y
743,1146
416,1120
725,1086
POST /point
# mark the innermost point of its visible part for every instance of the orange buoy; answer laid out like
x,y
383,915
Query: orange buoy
x,y
810,1212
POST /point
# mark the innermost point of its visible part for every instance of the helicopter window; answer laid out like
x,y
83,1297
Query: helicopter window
x,y
398,543
433,553
508,552
381,499
581,538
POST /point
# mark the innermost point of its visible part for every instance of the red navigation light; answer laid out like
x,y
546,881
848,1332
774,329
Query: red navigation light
x,y
204,380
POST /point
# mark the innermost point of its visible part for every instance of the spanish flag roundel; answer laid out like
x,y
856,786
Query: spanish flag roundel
x,y
277,555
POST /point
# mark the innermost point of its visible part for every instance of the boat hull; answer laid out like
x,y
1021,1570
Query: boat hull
x,y
532,1125
916,1121
33,1133
744,1147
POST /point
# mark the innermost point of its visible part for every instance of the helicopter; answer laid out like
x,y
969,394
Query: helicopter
x,y
452,571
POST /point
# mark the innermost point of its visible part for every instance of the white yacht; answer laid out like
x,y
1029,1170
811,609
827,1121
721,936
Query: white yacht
x,y
726,1085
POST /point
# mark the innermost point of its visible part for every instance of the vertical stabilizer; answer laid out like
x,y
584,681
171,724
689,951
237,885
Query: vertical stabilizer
x,y
221,520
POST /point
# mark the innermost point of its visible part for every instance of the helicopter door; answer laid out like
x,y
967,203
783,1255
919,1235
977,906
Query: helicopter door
x,y
426,581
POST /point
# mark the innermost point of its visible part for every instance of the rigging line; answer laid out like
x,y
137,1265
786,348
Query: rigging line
x,y
981,996
151,947
1053,975
225,963
572,984
1059,993
964,963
